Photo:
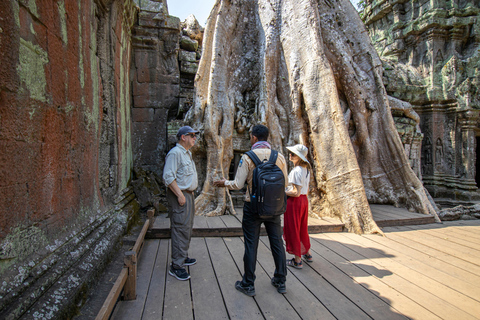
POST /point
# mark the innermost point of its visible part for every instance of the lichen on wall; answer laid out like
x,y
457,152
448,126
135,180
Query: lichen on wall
x,y
80,48
65,59
18,243
62,15
31,69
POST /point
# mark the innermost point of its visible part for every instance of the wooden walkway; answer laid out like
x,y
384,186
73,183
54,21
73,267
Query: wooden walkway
x,y
419,272
231,226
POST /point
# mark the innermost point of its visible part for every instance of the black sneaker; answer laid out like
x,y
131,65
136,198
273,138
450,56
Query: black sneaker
x,y
180,274
249,291
280,285
190,261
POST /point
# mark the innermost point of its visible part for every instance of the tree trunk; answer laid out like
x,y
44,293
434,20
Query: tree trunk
x,y
307,70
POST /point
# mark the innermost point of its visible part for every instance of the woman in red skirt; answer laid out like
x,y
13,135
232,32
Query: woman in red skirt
x,y
295,230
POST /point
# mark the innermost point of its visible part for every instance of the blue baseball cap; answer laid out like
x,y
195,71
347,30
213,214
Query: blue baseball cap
x,y
185,130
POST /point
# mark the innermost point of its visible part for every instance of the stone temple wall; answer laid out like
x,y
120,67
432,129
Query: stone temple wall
x,y
166,53
88,93
155,90
431,56
65,148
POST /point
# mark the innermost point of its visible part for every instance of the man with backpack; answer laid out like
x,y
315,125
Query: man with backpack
x,y
265,201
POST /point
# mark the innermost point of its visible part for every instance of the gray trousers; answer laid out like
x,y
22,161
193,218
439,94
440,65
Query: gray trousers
x,y
181,225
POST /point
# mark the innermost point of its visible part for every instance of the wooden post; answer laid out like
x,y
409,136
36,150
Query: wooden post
x,y
130,289
109,304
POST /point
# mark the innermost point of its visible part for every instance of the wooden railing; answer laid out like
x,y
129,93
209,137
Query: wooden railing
x,y
127,280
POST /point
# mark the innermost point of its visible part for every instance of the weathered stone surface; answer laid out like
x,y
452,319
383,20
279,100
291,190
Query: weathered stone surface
x,y
143,114
158,20
460,212
155,95
66,152
156,6
192,29
187,56
156,91
149,142
188,44
150,67
431,58
188,62
149,189
60,113
189,67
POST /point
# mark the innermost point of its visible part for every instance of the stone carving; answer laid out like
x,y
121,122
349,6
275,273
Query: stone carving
x,y
437,72
427,155
451,77
439,154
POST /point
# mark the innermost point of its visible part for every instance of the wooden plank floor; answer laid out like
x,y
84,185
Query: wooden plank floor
x,y
419,272
389,216
231,225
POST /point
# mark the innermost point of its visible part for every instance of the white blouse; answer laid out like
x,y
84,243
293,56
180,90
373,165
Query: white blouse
x,y
300,177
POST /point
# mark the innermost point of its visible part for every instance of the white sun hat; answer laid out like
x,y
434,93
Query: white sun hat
x,y
300,150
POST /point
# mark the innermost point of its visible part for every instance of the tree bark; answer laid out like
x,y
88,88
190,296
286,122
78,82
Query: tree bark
x,y
308,71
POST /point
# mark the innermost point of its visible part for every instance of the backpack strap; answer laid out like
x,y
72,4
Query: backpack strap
x,y
254,158
257,162
273,157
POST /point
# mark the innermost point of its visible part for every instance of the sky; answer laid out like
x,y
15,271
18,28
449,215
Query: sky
x,y
200,9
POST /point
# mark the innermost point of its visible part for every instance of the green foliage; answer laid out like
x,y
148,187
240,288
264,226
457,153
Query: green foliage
x,y
361,5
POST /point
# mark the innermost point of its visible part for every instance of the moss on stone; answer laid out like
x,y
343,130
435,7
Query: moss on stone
x,y
32,6
20,243
63,23
31,69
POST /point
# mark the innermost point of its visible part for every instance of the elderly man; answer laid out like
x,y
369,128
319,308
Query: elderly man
x,y
180,176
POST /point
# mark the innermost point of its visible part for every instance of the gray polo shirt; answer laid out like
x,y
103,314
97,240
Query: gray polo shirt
x,y
179,166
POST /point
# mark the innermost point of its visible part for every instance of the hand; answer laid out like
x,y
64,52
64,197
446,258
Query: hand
x,y
219,183
181,200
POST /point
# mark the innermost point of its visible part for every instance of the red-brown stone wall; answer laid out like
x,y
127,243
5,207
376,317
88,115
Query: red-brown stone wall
x,y
65,146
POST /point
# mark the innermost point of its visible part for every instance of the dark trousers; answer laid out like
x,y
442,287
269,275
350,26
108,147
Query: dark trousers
x,y
251,224
181,225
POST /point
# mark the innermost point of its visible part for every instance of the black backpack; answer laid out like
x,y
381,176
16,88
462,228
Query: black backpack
x,y
267,196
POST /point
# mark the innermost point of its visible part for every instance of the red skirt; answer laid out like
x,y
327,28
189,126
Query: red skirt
x,y
295,226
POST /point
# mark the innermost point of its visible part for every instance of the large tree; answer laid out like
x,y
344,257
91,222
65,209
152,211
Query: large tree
x,y
307,70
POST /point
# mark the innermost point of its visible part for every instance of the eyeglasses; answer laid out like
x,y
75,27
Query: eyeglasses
x,y
193,135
